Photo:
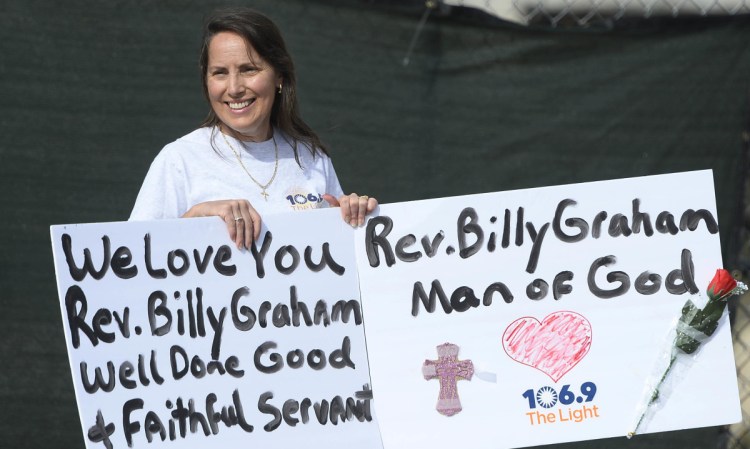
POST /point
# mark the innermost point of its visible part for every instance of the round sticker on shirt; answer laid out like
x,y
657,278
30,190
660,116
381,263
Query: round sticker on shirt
x,y
299,199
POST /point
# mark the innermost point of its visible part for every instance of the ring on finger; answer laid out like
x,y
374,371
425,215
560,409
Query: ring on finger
x,y
238,219
364,197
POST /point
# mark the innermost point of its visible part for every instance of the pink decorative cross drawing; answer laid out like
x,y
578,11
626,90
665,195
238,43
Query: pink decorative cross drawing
x,y
449,370
553,346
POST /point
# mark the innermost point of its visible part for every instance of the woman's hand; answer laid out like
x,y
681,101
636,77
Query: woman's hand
x,y
242,220
353,207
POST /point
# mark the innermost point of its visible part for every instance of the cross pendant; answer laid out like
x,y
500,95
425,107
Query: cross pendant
x,y
265,194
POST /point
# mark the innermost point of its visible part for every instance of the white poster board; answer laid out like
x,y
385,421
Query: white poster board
x,y
518,282
198,344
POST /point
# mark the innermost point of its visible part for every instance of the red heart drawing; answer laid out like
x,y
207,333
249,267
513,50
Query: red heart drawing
x,y
553,346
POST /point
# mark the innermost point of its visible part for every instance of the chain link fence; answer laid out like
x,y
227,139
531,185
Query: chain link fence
x,y
738,435
597,13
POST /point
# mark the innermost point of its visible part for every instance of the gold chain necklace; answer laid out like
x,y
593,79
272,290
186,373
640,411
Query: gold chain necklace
x,y
263,187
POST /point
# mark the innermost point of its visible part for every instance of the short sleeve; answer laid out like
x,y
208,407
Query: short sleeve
x,y
163,193
333,187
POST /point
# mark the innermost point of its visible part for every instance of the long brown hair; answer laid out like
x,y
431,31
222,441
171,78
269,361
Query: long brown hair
x,y
264,36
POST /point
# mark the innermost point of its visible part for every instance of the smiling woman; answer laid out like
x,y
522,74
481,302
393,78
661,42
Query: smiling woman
x,y
253,154
241,87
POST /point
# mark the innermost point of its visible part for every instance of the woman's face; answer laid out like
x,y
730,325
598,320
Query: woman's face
x,y
241,86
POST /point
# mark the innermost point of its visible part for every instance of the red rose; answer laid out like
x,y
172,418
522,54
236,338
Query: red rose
x,y
693,322
721,285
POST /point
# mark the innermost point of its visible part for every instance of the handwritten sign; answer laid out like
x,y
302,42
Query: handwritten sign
x,y
178,339
510,319
537,316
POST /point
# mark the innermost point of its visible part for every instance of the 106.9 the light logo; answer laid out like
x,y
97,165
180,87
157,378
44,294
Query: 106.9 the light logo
x,y
300,199
548,397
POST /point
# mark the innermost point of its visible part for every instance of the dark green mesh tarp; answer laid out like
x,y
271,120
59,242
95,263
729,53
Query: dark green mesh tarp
x,y
92,90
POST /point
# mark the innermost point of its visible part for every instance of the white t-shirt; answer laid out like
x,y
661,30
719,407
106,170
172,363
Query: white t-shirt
x,y
190,170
